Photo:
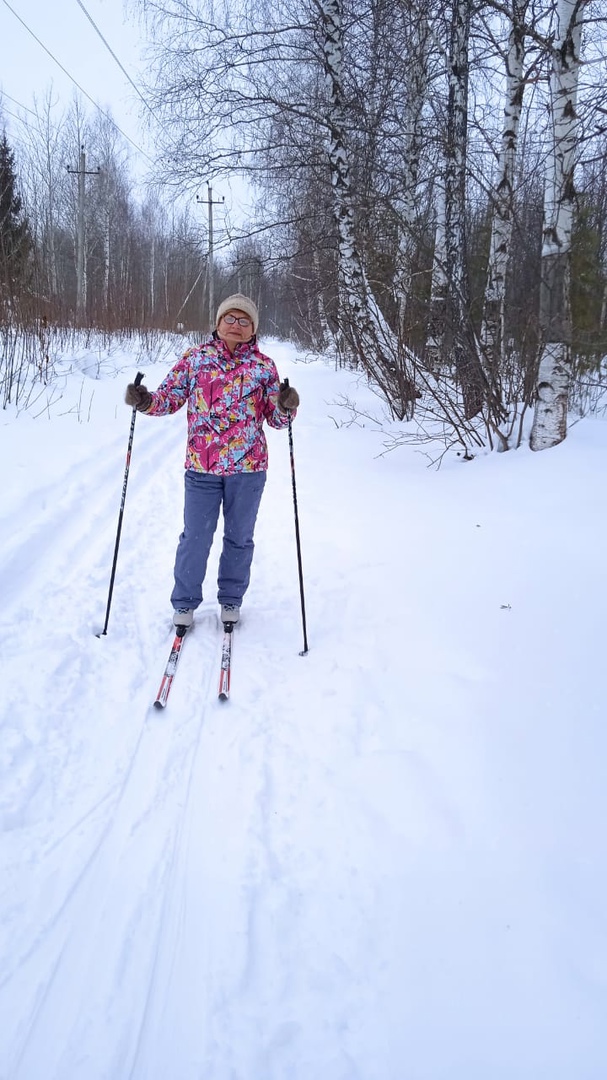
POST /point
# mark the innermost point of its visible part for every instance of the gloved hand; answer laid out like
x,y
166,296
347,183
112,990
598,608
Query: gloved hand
x,y
288,398
138,396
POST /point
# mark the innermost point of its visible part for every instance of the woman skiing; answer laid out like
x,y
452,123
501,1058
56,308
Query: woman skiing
x,y
230,389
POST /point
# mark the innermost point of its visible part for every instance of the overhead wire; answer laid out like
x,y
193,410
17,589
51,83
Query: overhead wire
x,y
76,83
7,112
114,57
15,102
93,102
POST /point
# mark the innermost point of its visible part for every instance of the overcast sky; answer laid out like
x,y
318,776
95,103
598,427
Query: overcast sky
x,y
66,32
27,70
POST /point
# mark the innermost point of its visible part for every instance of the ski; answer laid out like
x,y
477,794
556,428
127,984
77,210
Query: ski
x,y
170,669
226,662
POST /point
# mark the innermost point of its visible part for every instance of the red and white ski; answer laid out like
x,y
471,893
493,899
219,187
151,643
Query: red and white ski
x,y
226,662
170,669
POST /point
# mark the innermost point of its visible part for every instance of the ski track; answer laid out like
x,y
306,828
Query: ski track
x,y
155,754
51,551
146,820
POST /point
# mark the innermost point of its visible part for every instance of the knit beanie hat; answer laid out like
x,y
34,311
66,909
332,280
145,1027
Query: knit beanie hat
x,y
238,302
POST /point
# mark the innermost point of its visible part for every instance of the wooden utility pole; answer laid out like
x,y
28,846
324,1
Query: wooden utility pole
x,y
211,268
81,172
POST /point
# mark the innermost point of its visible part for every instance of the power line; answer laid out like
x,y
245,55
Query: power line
x,y
7,112
15,102
77,84
113,55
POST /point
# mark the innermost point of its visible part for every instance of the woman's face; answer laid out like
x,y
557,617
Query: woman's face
x,y
233,327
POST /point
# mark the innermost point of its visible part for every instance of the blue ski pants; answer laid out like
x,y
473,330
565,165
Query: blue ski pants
x,y
205,494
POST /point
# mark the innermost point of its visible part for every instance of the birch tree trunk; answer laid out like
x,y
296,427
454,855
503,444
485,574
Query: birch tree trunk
x,y
467,363
324,335
360,319
107,253
492,331
554,373
417,81
51,195
435,354
152,278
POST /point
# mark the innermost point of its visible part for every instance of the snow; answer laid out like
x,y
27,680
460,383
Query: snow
x,y
381,861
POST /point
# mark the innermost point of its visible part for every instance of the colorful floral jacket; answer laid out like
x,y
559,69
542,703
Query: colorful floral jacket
x,y
228,399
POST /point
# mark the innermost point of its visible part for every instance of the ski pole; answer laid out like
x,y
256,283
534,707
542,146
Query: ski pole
x,y
297,538
138,379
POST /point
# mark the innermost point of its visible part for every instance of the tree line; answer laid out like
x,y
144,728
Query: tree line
x,y
431,197
434,168
82,245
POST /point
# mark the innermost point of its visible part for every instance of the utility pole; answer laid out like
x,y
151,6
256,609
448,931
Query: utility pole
x,y
210,203
81,172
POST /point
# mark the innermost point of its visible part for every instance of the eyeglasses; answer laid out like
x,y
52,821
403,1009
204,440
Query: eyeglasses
x,y
231,319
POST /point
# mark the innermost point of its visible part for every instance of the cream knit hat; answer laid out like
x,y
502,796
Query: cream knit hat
x,y
238,302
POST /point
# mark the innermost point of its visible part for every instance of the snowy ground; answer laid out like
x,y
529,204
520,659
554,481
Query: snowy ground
x,y
383,861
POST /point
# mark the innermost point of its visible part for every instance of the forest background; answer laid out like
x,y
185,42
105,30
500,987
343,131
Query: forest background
x,y
428,203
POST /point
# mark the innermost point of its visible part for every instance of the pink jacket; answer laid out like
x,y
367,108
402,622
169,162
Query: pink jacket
x,y
228,398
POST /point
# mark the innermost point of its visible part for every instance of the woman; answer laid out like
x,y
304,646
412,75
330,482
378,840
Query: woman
x,y
230,388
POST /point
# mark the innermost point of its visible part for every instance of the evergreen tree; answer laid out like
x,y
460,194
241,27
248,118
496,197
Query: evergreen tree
x,y
14,230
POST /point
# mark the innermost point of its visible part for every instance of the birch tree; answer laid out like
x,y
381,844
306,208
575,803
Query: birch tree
x,y
554,371
360,319
492,331
435,337
45,185
465,356
417,78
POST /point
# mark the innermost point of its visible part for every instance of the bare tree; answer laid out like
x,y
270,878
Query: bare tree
x,y
492,332
360,320
417,76
554,375
435,351
465,355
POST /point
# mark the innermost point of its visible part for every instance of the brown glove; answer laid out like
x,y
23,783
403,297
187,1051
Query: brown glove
x,y
288,398
138,396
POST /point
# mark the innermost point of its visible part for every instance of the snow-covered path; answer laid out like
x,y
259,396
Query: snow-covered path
x,y
383,861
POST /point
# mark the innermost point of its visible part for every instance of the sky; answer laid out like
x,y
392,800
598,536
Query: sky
x,y
27,70
385,860
63,28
